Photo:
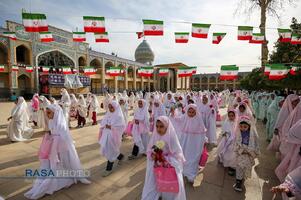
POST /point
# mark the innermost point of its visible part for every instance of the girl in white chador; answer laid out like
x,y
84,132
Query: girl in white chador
x,y
62,155
73,106
18,128
43,120
225,149
94,108
193,133
112,127
164,133
81,111
124,108
140,129
65,103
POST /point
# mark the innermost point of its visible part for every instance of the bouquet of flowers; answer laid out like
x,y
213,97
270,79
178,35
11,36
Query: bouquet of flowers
x,y
157,153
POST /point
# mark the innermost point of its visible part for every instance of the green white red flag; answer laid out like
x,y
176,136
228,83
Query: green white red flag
x,y
267,70
94,24
284,35
29,69
296,38
257,38
200,30
67,70
245,32
140,34
146,71
10,35
45,69
114,71
46,37
184,72
228,72
193,70
181,37
152,27
293,70
89,70
2,68
101,37
163,72
14,68
217,37
79,36
278,72
34,22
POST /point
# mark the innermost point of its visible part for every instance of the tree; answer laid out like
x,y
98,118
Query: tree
x,y
266,7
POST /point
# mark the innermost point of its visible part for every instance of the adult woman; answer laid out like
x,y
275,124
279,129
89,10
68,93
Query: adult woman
x,y
173,154
18,128
112,127
61,156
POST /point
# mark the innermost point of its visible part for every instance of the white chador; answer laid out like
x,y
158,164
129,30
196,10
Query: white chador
x,y
225,149
42,118
65,102
110,139
62,156
18,128
193,133
140,131
174,155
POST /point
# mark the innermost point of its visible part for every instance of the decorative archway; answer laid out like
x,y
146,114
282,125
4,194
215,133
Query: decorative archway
x,y
23,55
130,71
95,63
24,84
108,65
82,61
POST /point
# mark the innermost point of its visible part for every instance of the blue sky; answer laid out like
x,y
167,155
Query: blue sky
x,y
126,15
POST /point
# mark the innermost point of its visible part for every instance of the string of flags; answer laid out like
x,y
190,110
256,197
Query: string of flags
x,y
279,71
37,22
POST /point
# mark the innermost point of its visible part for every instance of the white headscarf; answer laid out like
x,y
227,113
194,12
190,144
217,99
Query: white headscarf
x,y
294,134
73,99
142,113
115,118
20,107
81,101
193,125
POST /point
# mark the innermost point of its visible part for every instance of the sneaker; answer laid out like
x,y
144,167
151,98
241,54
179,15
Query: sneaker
x,y
132,157
237,187
106,173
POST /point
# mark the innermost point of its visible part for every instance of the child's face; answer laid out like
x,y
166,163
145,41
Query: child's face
x,y
161,129
140,104
231,116
205,100
242,109
49,113
191,112
244,127
111,108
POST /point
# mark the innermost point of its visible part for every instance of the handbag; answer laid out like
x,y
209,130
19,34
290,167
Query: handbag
x,y
45,147
166,179
129,128
204,157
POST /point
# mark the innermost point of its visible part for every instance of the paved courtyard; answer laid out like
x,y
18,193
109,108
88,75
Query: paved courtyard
x,y
126,182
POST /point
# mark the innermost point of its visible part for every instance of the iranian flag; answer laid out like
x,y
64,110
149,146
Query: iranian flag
x,y
46,37
14,68
217,37
296,38
267,70
146,71
10,35
89,70
228,72
152,27
184,72
45,69
284,35
1,68
200,30
34,22
245,32
139,72
278,72
67,70
101,37
29,69
193,70
114,71
79,36
181,37
163,72
140,34
257,38
293,70
94,24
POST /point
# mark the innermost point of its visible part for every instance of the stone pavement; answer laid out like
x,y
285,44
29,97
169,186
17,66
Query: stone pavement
x,y
126,182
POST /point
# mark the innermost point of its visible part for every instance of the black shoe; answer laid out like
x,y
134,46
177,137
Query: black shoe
x,y
238,186
231,171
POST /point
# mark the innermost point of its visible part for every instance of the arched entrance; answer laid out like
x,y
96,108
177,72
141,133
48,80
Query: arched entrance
x,y
96,82
109,82
56,59
23,55
24,85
